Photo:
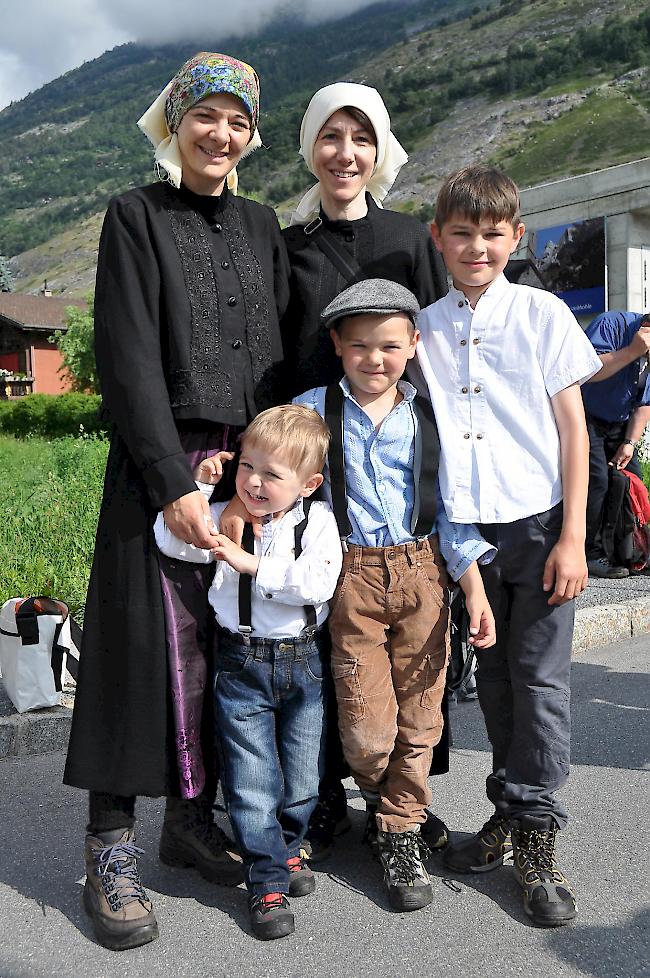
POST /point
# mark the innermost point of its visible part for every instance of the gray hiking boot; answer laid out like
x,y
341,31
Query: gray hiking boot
x,y
114,898
549,899
190,838
409,886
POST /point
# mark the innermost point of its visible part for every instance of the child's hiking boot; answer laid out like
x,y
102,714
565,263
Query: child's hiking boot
x,y
549,899
113,896
409,886
270,916
190,838
486,850
370,835
301,879
329,820
434,832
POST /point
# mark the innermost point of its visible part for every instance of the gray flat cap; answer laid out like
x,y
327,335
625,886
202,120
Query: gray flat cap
x,y
372,295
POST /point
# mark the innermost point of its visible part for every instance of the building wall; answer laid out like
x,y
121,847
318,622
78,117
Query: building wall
x,y
10,361
46,361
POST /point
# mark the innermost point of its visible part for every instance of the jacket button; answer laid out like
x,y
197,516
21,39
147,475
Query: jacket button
x,y
464,390
463,342
232,301
225,264
237,344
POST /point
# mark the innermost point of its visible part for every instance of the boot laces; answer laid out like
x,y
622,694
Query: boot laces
x,y
267,902
494,824
539,850
117,869
404,856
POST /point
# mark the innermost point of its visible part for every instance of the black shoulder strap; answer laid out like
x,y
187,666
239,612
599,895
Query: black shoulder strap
x,y
246,581
336,461
343,261
425,469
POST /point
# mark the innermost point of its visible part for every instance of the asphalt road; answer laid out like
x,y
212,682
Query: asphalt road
x,y
475,926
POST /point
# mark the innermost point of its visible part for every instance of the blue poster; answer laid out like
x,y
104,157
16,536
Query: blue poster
x,y
571,260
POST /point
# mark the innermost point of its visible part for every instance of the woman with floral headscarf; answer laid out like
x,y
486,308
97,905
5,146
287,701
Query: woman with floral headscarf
x,y
191,282
340,233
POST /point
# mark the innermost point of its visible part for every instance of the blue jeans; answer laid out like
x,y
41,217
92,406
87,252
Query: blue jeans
x,y
269,711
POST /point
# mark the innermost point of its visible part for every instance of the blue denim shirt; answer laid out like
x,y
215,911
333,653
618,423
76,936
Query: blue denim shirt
x,y
380,485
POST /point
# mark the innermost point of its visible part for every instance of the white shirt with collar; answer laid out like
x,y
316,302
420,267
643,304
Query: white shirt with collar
x,y
282,585
491,374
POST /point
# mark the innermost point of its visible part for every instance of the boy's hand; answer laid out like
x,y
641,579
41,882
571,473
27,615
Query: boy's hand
x,y
210,470
565,571
233,518
233,554
189,519
482,628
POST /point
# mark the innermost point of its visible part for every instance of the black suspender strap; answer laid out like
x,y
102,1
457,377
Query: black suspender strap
x,y
246,581
336,462
425,469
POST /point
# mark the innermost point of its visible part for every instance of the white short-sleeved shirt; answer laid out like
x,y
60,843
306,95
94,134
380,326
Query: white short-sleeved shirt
x,y
491,374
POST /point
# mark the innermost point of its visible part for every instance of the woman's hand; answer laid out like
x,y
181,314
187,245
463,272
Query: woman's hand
x,y
189,519
233,518
210,470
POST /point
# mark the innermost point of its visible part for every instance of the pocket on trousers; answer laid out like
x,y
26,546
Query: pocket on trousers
x,y
232,662
551,520
434,578
315,667
434,684
349,699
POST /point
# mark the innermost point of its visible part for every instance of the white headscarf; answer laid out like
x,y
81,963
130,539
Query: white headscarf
x,y
168,156
391,156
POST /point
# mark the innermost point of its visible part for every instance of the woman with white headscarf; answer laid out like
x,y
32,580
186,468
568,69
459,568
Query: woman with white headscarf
x,y
347,143
341,233
191,283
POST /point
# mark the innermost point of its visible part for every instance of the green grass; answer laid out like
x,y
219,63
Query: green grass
x,y
49,503
605,129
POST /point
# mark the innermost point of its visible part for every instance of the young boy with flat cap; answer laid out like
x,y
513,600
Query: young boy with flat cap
x,y
389,614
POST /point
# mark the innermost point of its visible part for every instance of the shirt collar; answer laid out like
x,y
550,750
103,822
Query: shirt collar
x,y
495,290
406,389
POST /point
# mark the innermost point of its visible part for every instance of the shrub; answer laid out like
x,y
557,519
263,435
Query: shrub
x,y
51,415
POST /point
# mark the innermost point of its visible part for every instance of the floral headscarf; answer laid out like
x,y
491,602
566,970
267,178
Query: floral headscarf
x,y
204,74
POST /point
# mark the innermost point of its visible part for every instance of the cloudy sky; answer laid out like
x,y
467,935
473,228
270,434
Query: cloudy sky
x,y
45,38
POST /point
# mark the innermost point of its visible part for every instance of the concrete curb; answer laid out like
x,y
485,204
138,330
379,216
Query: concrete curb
x,y
42,731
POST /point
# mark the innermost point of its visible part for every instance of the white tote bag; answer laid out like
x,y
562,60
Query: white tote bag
x,y
34,641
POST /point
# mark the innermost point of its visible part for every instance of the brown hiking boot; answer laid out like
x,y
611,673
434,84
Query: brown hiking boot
x,y
114,897
190,838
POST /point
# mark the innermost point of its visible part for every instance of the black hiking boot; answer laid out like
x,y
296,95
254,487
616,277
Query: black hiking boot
x,y
549,899
190,838
270,916
409,886
329,820
486,850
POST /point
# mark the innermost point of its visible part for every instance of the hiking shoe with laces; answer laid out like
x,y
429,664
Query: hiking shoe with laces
x,y
409,886
434,832
190,838
329,820
113,895
549,899
301,879
486,850
601,567
270,916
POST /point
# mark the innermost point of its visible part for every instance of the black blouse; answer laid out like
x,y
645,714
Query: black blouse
x,y
386,244
190,290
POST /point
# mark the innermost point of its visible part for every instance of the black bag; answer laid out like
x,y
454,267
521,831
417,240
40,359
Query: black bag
x,y
619,522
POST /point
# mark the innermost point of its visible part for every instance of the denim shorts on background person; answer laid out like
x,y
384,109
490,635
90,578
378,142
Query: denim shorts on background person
x,y
269,715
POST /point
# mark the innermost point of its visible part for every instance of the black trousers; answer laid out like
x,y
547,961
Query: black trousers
x,y
523,680
604,440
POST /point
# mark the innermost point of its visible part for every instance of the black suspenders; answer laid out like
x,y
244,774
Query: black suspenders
x,y
246,581
425,469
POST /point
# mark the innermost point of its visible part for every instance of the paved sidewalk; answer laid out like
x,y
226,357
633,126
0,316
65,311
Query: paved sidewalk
x,y
606,611
475,928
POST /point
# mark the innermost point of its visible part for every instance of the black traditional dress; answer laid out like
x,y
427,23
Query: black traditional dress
x,y
189,293
386,244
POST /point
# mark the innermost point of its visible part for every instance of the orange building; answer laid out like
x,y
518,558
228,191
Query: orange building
x,y
26,325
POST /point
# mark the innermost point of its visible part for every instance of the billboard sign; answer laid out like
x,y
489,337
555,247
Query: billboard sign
x,y
571,260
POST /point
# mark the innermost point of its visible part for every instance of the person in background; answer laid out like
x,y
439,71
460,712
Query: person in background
x,y
340,233
191,283
617,406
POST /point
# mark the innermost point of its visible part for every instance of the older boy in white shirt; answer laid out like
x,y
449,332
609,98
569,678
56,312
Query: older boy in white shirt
x,y
270,598
503,364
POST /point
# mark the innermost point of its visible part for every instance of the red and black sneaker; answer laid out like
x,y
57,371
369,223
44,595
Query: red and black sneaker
x,y
270,916
301,879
